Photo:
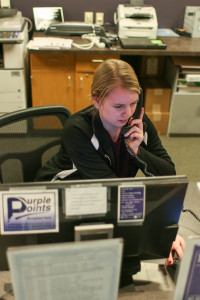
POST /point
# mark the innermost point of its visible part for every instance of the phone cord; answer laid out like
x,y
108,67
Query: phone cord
x,y
140,162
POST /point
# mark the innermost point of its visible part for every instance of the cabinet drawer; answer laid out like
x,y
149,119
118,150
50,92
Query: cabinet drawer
x,y
89,62
46,61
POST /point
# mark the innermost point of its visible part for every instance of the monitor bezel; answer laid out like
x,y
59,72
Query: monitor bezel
x,y
105,181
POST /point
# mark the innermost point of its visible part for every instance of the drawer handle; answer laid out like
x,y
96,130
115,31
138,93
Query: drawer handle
x,y
81,82
69,81
97,60
53,59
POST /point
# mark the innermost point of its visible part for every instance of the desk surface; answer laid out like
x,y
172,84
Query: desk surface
x,y
181,46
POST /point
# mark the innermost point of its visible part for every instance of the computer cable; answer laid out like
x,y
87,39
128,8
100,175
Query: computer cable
x,y
30,24
191,212
84,46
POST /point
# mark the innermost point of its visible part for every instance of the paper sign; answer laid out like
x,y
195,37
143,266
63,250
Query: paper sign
x,y
81,270
85,201
29,212
131,203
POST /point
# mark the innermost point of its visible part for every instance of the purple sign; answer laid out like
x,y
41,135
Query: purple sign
x,y
192,288
131,203
29,211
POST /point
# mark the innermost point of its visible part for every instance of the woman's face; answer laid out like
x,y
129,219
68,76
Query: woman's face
x,y
117,108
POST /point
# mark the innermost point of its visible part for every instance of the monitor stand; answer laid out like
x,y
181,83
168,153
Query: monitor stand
x,y
130,266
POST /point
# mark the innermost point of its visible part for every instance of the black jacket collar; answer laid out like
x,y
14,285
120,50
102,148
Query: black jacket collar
x,y
105,145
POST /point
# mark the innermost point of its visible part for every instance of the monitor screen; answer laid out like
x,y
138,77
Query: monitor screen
x,y
143,211
44,16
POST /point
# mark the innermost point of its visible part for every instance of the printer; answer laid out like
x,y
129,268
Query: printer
x,y
13,62
136,21
191,22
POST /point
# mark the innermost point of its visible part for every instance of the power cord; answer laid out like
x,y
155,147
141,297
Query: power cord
x,y
30,24
94,41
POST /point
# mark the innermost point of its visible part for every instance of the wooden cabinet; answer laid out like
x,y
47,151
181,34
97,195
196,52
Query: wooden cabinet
x,y
53,79
63,78
86,65
82,90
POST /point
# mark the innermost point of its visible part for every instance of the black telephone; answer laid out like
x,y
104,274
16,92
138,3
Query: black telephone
x,y
142,165
136,114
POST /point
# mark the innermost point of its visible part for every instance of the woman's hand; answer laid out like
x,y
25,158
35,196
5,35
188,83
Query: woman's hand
x,y
134,136
179,246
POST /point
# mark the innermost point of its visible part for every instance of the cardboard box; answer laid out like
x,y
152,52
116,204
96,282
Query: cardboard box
x,y
152,66
160,121
157,95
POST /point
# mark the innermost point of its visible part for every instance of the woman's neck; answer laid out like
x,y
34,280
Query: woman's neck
x,y
113,131
114,134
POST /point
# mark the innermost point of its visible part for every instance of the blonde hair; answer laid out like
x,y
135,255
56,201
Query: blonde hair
x,y
113,73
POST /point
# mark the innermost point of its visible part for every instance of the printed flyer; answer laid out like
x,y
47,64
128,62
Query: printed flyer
x,y
131,203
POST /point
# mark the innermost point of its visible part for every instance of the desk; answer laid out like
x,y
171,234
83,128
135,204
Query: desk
x,y
65,76
181,46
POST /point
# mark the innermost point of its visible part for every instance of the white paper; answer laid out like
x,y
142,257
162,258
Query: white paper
x,y
85,200
70,271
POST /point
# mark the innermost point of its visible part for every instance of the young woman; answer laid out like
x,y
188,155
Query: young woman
x,y
93,145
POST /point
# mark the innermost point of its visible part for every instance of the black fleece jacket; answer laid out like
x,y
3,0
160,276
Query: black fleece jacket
x,y
87,146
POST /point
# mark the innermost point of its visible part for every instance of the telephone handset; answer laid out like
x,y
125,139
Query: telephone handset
x,y
142,165
136,114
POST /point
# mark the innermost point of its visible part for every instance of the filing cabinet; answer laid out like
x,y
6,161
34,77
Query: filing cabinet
x,y
63,78
52,79
85,68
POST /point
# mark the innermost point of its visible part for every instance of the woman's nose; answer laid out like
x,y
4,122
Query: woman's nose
x,y
128,111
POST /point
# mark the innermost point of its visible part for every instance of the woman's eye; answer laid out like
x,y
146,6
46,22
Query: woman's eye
x,y
134,103
118,106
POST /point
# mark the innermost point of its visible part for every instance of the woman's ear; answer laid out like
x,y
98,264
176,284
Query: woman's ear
x,y
95,100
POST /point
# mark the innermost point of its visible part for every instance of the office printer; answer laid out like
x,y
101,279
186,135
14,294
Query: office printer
x,y
136,21
13,62
191,22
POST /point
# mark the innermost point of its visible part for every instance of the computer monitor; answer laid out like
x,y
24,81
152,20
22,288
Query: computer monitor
x,y
147,227
44,16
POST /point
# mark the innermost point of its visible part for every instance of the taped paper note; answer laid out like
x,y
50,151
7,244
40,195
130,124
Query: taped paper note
x,y
85,201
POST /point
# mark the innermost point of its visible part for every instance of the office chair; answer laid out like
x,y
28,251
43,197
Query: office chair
x,y
29,138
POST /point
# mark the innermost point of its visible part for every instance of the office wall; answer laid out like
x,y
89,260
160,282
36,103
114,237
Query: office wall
x,y
170,12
